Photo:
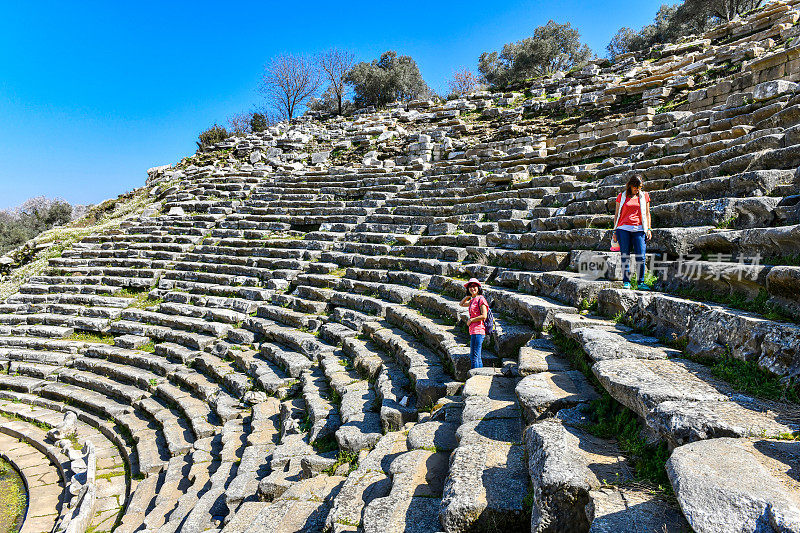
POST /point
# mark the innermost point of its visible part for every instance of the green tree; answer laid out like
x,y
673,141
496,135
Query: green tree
x,y
33,217
388,79
621,42
258,122
553,47
679,20
213,135
721,10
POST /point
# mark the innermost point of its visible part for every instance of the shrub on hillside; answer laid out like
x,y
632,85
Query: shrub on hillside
x,y
391,78
211,136
258,122
552,48
29,220
678,20
328,104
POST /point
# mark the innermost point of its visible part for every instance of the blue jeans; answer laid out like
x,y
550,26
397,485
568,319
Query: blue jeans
x,y
475,345
634,239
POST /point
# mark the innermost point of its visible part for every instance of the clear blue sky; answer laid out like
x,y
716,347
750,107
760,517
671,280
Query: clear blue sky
x,y
94,93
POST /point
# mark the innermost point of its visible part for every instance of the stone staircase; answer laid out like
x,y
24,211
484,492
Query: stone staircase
x,y
275,341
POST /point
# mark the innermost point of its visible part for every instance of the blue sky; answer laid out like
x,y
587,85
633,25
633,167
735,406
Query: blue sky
x,y
94,93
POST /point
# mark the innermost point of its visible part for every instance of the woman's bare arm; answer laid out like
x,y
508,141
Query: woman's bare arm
x,y
465,301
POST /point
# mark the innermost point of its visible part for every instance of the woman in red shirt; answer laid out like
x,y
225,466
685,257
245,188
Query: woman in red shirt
x,y
478,311
632,228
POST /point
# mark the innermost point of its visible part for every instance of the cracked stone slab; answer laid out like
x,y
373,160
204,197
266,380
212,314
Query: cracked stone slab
x,y
738,485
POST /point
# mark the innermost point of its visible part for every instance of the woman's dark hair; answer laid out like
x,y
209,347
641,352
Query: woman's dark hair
x,y
480,289
635,181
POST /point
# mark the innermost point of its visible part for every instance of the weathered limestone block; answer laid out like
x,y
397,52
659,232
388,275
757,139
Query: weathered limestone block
x,y
683,400
544,393
614,509
538,355
413,502
772,89
783,285
485,485
559,460
739,212
66,428
737,485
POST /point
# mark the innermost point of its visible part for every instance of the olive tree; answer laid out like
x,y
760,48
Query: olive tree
x,y
723,10
388,79
553,47
679,20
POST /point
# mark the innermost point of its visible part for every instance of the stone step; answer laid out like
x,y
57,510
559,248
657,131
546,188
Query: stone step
x,y
43,484
710,330
162,333
111,490
360,423
487,480
322,416
429,379
262,438
412,504
737,484
368,482
680,400
36,330
568,468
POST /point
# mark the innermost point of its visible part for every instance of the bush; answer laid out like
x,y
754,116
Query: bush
x,y
678,20
211,136
258,122
328,104
388,79
553,47
33,217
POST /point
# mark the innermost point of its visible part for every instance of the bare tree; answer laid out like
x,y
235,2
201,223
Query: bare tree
x,y
239,124
288,82
463,82
336,63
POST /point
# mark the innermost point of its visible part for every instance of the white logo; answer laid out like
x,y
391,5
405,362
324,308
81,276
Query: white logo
x,y
592,266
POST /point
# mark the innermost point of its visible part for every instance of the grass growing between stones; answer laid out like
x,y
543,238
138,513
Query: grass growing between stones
x,y
612,420
92,337
325,444
13,498
343,457
760,304
140,299
748,377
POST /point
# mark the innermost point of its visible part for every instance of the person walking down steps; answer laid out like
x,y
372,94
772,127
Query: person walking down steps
x,y
632,229
478,311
